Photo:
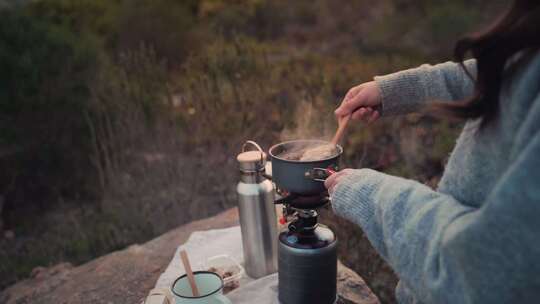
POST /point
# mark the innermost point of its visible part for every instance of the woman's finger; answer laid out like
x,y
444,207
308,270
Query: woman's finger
x,y
333,180
330,181
357,115
367,114
336,181
350,104
334,184
366,95
374,116
352,93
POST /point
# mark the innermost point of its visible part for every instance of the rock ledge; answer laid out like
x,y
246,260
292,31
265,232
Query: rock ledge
x,y
127,275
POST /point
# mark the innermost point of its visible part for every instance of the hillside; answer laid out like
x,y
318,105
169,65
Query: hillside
x,y
121,120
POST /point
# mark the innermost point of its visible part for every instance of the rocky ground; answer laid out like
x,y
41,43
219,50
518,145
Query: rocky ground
x,y
126,276
120,277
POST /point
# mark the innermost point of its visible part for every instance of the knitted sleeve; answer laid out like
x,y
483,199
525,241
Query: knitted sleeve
x,y
445,251
410,90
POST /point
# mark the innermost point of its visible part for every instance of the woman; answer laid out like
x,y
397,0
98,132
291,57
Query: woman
x,y
477,238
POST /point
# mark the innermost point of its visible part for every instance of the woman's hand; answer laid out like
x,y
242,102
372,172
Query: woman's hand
x,y
361,101
331,182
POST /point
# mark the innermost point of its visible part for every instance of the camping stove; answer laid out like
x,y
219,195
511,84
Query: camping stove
x,y
307,252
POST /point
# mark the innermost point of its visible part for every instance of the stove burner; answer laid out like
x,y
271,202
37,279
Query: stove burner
x,y
305,222
304,202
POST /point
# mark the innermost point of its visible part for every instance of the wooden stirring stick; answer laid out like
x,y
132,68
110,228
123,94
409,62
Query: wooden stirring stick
x,y
342,125
319,152
189,272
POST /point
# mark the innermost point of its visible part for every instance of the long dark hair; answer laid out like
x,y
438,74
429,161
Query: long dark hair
x,y
517,30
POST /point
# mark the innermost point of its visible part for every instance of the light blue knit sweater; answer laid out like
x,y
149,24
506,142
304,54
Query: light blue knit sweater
x,y
477,238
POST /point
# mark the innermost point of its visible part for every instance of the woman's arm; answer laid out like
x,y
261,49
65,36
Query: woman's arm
x,y
447,252
410,90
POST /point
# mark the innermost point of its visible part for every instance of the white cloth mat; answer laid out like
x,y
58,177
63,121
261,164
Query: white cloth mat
x,y
261,291
202,245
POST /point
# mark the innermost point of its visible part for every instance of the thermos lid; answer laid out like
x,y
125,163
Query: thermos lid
x,y
251,161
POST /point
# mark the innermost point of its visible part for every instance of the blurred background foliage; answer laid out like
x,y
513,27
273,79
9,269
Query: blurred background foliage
x,y
120,120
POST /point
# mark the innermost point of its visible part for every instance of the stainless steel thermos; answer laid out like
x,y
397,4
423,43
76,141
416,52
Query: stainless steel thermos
x,y
258,221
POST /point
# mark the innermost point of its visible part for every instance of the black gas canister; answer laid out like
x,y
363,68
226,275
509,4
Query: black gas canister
x,y
307,262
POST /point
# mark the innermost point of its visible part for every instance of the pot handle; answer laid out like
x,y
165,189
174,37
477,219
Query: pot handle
x,y
320,174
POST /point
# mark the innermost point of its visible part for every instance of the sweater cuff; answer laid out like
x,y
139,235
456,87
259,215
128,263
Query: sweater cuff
x,y
398,96
353,199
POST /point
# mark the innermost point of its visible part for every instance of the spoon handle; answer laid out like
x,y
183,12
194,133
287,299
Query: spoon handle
x,y
342,125
189,272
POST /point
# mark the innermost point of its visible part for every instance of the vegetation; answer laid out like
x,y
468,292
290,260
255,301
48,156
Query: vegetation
x,y
120,119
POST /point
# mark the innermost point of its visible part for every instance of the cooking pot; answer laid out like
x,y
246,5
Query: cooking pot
x,y
302,177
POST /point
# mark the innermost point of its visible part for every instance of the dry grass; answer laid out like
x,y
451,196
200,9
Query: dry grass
x,y
164,141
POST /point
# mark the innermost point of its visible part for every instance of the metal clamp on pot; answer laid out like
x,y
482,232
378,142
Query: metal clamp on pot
x,y
320,174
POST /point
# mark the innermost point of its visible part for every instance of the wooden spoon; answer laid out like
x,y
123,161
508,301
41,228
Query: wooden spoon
x,y
189,272
327,150
343,121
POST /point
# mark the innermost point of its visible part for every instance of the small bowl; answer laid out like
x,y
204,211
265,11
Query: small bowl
x,y
225,264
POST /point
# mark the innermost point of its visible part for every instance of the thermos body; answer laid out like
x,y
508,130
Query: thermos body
x,y
259,227
258,221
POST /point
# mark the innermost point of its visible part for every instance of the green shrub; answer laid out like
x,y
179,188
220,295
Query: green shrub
x,y
44,77
164,25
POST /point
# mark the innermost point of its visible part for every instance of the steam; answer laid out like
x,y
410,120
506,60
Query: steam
x,y
319,152
310,122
